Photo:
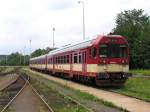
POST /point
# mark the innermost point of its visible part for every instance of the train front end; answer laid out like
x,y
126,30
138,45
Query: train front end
x,y
113,61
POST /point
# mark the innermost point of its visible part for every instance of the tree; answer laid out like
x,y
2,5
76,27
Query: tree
x,y
40,52
15,59
135,25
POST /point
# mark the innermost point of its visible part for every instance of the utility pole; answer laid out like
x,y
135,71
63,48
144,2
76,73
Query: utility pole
x,y
83,19
53,37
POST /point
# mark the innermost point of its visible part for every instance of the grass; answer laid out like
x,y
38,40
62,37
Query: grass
x,y
140,72
136,87
58,102
87,96
83,97
5,70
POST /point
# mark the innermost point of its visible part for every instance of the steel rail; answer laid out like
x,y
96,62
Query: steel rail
x,y
70,98
12,81
77,102
50,108
27,82
140,76
8,104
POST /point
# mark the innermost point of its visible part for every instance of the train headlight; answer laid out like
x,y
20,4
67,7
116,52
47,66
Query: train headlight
x,y
123,61
104,61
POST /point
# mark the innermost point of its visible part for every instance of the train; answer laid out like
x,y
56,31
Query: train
x,y
103,61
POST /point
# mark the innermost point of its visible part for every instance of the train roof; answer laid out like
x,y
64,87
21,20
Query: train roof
x,y
39,57
71,47
78,45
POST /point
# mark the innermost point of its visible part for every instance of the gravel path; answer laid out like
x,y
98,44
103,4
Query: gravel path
x,y
131,104
28,101
5,81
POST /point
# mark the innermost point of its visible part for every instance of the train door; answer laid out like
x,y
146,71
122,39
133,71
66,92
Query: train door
x,y
54,63
84,65
46,61
71,66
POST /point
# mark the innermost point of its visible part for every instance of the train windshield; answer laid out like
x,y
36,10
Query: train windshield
x,y
113,50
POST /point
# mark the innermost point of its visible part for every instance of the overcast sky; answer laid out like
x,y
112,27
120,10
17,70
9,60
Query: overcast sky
x,y
24,20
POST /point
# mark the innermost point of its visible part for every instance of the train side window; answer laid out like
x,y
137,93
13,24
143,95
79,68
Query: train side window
x,y
67,58
90,51
62,59
94,52
58,59
71,58
75,58
80,59
49,61
103,52
54,60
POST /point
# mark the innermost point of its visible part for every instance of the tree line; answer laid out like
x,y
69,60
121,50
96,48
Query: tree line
x,y
135,26
18,59
15,59
132,24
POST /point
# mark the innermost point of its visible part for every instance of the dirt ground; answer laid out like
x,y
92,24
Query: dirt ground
x,y
131,104
27,101
96,106
5,81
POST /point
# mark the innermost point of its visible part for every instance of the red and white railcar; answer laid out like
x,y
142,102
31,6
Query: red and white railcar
x,y
104,60
39,63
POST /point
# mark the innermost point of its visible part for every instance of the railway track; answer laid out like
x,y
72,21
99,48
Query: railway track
x,y
24,97
139,76
126,102
7,80
59,98
77,102
9,91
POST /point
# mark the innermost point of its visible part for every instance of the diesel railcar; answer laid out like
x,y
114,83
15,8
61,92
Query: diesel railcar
x,y
103,61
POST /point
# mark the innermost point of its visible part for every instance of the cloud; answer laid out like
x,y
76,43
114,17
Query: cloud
x,y
24,20
60,4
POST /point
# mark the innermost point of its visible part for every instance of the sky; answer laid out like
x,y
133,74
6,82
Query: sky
x,y
25,20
